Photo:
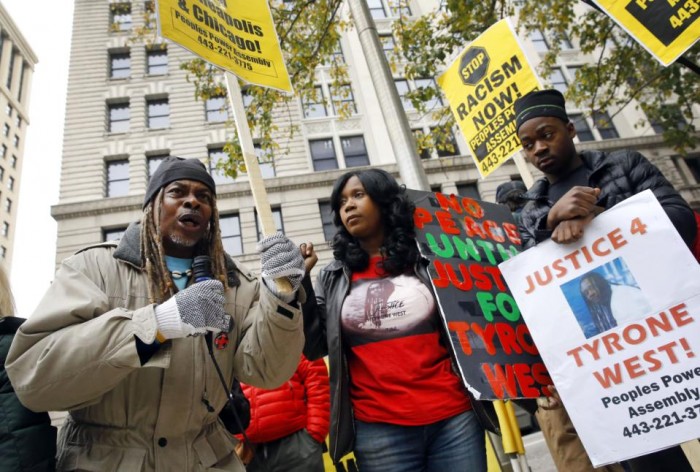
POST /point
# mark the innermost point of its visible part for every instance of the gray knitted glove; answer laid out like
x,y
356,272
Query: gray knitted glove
x,y
193,311
281,258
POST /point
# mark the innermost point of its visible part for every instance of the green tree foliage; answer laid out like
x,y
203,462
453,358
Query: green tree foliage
x,y
619,71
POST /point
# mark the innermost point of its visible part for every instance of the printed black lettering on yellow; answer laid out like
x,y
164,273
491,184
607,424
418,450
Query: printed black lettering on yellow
x,y
666,20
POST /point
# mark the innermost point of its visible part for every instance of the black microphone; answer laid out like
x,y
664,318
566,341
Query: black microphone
x,y
201,269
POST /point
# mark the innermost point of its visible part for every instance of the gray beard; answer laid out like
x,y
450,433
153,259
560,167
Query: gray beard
x,y
182,241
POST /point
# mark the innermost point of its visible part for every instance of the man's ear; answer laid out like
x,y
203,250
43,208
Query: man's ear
x,y
571,129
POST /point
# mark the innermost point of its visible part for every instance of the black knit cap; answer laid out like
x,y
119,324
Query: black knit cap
x,y
506,189
540,103
174,168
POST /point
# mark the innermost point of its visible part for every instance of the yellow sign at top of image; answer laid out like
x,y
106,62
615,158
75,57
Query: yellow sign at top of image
x,y
482,85
236,35
666,28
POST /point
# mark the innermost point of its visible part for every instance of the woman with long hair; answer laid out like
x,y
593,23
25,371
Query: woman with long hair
x,y
27,439
395,398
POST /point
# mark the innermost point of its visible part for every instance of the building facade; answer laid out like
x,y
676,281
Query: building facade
x,y
17,61
129,105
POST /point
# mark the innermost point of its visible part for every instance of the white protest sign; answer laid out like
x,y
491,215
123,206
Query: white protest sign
x,y
616,318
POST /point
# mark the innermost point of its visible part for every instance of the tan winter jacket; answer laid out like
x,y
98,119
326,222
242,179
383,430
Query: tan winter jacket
x,y
77,352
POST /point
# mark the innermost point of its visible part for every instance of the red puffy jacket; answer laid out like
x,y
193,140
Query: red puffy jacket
x,y
302,402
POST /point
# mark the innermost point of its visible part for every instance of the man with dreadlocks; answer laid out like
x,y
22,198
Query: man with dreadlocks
x,y
117,338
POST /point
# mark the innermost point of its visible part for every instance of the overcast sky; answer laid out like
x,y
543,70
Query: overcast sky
x,y
47,28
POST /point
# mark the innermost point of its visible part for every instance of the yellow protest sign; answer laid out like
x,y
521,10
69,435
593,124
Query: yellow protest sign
x,y
481,85
666,28
236,35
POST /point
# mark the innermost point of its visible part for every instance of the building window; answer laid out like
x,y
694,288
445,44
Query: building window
x,y
469,190
215,109
157,60
158,113
565,42
337,55
11,183
329,228
354,151
15,141
150,8
119,65
21,82
558,80
583,131
315,106
266,161
399,10
117,178
2,173
13,162
388,45
18,121
447,144
11,70
420,138
8,110
693,163
604,124
231,237
539,41
3,151
343,99
6,130
113,234
118,117
276,218
402,88
121,16
154,161
323,154
376,9
3,252
429,83
217,155
247,97
8,205
676,116
5,228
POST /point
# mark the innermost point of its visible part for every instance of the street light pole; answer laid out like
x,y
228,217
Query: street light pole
x,y
402,140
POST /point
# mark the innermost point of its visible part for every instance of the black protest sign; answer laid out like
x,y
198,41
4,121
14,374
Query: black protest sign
x,y
465,240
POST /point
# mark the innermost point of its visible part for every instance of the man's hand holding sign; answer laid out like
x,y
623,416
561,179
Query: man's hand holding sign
x,y
641,375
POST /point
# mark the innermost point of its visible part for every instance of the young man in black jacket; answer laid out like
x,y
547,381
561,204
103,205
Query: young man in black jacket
x,y
576,187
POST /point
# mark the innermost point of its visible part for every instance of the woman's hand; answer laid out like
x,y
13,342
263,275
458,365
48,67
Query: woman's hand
x,y
309,254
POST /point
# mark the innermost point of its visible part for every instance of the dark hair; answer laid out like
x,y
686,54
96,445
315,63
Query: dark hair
x,y
398,249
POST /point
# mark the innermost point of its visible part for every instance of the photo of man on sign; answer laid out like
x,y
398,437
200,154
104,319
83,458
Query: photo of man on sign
x,y
605,297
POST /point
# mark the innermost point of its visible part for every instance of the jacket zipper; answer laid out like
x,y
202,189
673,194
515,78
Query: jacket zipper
x,y
343,367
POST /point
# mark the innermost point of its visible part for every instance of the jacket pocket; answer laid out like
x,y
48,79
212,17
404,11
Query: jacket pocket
x,y
100,458
216,451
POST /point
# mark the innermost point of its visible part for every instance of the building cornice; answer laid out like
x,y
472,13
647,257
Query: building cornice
x,y
17,37
104,206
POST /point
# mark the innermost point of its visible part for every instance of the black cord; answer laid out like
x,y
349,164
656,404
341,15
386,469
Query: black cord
x,y
229,394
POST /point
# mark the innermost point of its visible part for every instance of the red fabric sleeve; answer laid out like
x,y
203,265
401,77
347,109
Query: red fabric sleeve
x,y
314,377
